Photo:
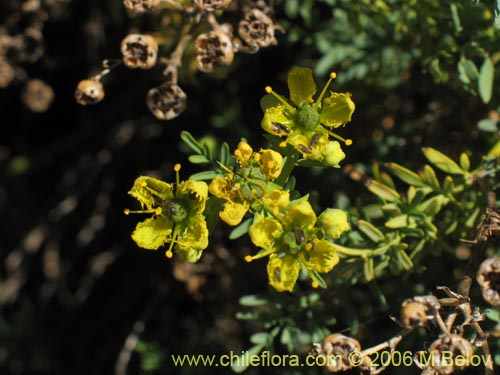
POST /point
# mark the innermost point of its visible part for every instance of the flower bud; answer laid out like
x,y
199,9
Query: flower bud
x,y
334,222
141,6
488,278
166,101
89,91
37,95
213,48
139,51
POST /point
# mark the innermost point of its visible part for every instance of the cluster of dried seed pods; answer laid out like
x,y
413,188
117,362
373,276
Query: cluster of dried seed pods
x,y
214,48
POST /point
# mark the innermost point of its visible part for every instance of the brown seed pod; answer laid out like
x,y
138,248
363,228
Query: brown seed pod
x,y
337,349
166,101
37,95
139,51
141,6
413,314
211,5
257,30
7,73
213,48
450,353
488,278
89,91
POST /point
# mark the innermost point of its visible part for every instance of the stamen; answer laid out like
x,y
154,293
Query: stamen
x,y
269,90
325,88
177,168
315,284
347,141
151,211
304,148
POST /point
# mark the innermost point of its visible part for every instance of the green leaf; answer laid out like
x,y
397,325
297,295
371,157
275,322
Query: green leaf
x,y
485,83
488,125
406,175
383,191
241,229
203,176
430,177
372,232
198,159
442,161
225,154
432,206
212,209
368,272
493,314
401,221
301,85
253,300
464,161
404,260
259,338
467,70
191,142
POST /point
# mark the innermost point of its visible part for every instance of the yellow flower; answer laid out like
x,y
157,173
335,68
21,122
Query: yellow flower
x,y
243,153
177,215
294,241
233,213
270,163
277,198
307,123
220,187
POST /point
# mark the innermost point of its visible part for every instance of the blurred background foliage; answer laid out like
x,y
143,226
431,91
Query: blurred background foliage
x,y
73,285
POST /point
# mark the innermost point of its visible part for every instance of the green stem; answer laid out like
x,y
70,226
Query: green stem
x,y
290,163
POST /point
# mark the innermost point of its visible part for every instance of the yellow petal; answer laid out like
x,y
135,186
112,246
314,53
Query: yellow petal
x,y
197,191
270,163
220,188
264,231
300,215
195,235
243,153
153,232
283,272
145,189
277,198
323,257
233,213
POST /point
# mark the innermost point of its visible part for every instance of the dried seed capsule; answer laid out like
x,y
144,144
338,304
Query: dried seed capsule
x,y
488,278
7,73
212,48
139,51
89,91
459,349
257,29
37,95
166,101
141,6
338,348
211,5
413,314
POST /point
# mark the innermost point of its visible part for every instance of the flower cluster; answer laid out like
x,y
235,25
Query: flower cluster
x,y
296,239
177,216
215,46
306,123
250,185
